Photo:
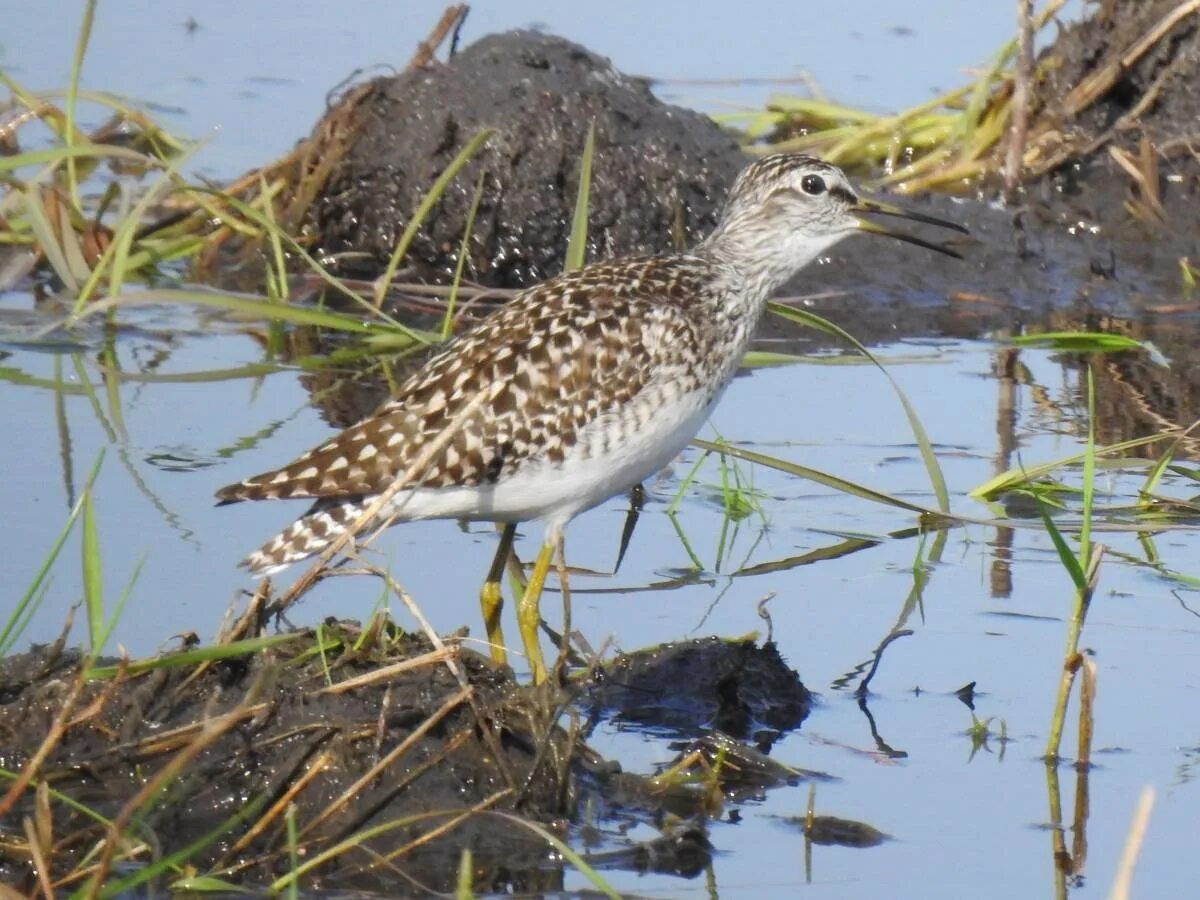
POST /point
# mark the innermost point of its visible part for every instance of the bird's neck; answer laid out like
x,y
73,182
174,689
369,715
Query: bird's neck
x,y
760,263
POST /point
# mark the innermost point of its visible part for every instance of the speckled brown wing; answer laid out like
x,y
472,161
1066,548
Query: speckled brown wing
x,y
554,359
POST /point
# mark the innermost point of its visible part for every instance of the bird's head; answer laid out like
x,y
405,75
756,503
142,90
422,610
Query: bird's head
x,y
787,209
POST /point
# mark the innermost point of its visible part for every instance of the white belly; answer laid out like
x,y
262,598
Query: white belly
x,y
557,492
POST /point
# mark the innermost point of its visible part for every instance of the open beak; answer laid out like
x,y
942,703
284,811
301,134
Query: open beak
x,y
873,207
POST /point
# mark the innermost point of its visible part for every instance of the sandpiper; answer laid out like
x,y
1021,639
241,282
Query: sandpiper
x,y
576,390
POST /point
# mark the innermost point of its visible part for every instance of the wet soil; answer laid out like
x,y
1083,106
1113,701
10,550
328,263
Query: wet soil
x,y
685,688
1153,91
405,744
256,729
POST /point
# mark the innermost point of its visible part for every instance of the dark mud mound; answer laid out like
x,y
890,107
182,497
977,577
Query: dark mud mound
x,y
413,753
1117,102
690,687
1127,71
658,176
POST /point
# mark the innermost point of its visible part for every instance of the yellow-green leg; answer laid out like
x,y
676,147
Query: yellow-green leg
x,y
491,599
529,617
564,588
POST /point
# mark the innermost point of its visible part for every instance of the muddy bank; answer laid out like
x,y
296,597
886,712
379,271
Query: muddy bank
x,y
371,737
252,731
1127,72
1103,220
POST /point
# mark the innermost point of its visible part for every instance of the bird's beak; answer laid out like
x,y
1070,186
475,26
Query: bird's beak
x,y
873,207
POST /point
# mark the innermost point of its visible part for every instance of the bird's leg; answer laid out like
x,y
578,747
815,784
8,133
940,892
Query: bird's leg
x,y
516,572
637,499
528,615
491,599
564,650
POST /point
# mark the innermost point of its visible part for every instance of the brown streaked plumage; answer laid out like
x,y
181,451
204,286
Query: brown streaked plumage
x,y
591,381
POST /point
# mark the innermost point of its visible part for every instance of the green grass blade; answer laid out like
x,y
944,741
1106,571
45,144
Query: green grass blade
x,y
463,251
115,259
198,655
69,106
982,90
293,888
69,242
936,479
1077,341
56,155
1089,476
247,211
279,278
832,481
110,371
577,245
111,622
430,199
1018,476
18,620
820,110
93,587
1065,555
464,888
1163,463
759,359
48,241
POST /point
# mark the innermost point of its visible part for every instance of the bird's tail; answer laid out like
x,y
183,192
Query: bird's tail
x,y
324,523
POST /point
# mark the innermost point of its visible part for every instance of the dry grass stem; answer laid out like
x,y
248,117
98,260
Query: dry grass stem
x,y
279,807
384,673
451,20
396,753
1019,120
1123,881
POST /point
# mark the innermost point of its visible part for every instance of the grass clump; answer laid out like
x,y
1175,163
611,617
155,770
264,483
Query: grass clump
x,y
995,126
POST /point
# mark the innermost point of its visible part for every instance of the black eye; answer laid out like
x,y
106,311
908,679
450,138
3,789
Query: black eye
x,y
812,184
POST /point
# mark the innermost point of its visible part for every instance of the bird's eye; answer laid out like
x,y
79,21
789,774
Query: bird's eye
x,y
812,184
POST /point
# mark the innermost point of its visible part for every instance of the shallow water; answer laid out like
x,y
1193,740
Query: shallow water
x,y
964,821
993,611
